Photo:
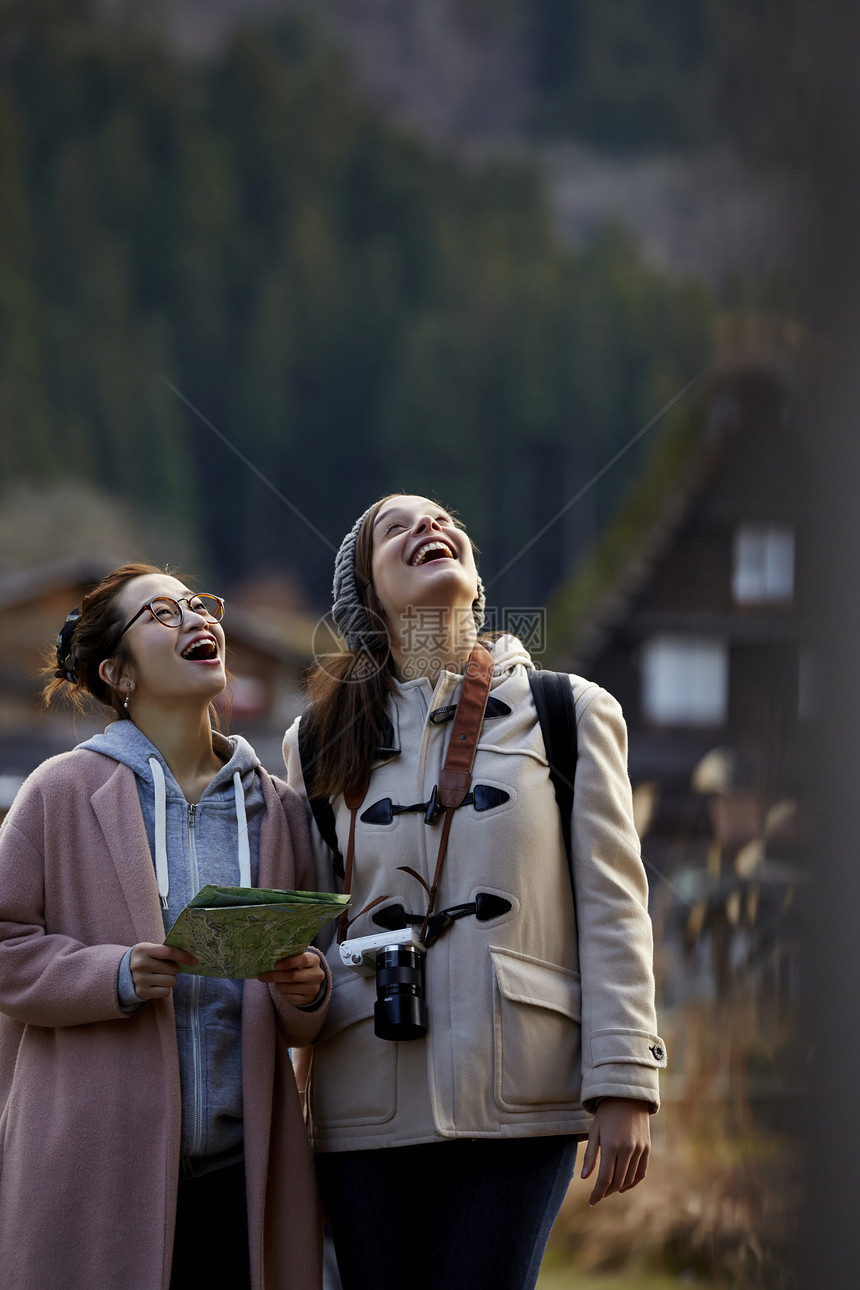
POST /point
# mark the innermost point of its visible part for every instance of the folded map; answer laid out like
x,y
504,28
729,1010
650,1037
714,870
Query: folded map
x,y
243,931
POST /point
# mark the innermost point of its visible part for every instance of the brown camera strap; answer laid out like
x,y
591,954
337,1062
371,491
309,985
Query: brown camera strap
x,y
456,773
454,781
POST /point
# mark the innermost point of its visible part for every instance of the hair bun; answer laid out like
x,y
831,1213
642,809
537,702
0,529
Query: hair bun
x,y
67,663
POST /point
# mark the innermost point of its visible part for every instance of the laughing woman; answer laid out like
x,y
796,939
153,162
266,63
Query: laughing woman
x,y
150,1127
447,1135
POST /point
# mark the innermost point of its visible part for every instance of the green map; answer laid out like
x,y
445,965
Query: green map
x,y
243,931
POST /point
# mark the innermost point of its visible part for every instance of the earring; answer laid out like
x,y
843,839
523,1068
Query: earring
x,y
127,695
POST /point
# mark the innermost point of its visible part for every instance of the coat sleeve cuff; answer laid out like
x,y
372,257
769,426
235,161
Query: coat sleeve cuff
x,y
318,1001
624,1063
128,997
301,1023
612,1047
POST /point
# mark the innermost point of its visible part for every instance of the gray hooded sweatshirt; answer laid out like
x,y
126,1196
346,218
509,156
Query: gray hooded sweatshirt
x,y
215,840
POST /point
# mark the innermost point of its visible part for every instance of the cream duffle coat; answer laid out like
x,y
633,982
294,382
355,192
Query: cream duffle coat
x,y
535,1014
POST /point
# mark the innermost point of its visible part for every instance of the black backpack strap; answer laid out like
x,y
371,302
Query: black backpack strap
x,y
554,702
322,809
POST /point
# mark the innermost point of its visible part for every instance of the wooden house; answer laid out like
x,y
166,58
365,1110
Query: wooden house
x,y
691,612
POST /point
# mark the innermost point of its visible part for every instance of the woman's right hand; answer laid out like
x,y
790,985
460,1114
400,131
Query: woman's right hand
x,y
154,968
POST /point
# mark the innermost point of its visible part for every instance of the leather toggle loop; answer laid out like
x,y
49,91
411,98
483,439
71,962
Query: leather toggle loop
x,y
486,906
494,708
484,797
434,807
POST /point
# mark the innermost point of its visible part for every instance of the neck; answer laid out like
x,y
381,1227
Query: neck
x,y
184,739
430,642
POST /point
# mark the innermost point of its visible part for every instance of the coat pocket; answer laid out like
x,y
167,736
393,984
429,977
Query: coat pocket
x,y
354,1075
536,1015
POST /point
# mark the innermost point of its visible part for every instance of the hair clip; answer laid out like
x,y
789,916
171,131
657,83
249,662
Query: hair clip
x,y
67,670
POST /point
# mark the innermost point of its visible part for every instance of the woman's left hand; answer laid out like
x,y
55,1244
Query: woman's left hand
x,y
298,979
621,1133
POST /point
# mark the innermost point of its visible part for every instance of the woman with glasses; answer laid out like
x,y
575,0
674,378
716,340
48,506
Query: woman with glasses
x,y
150,1128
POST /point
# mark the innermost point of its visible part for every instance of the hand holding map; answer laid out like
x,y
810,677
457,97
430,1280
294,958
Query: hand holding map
x,y
242,931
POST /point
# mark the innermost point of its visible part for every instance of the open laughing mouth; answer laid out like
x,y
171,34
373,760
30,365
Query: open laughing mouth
x,y
429,551
204,649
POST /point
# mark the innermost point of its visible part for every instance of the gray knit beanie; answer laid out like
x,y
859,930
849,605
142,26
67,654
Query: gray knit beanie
x,y
350,616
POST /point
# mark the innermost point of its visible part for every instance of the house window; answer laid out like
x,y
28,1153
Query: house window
x,y
763,570
685,680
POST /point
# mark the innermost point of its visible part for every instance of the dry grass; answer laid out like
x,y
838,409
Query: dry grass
x,y
720,1201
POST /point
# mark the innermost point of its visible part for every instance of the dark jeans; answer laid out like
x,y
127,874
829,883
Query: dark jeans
x,y
211,1243
460,1215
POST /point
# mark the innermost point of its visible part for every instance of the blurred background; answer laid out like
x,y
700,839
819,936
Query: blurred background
x,y
262,261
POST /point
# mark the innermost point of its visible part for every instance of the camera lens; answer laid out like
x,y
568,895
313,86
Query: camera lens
x,y
400,1011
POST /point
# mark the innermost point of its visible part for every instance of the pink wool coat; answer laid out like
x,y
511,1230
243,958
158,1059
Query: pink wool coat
x,y
89,1097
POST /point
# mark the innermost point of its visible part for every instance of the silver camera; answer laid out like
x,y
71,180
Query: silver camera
x,y
397,961
359,952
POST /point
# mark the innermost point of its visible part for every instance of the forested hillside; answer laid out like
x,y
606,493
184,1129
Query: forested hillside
x,y
350,309
625,75
670,73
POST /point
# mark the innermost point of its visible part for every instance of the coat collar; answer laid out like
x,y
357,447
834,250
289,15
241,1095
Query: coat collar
x,y
118,812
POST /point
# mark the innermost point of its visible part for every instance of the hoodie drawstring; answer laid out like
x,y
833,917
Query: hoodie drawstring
x,y
161,871
242,824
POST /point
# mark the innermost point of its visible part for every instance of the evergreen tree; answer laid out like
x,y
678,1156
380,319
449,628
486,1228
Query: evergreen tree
x,y
348,310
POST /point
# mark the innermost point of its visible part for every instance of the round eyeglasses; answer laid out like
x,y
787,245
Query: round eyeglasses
x,y
168,612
